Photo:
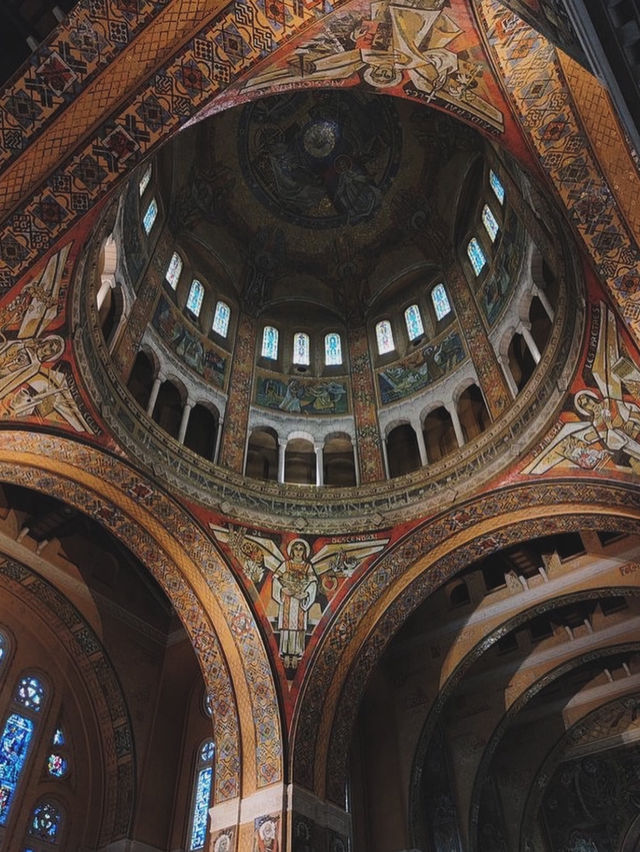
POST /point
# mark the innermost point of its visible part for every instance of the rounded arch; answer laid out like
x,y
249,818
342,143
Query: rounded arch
x,y
404,577
197,581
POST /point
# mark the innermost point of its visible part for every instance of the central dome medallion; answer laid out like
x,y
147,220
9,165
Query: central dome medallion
x,y
321,159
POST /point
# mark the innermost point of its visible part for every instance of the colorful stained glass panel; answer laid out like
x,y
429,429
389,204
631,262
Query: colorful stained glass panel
x,y
30,693
489,222
150,216
56,765
173,270
440,300
201,808
301,348
58,737
221,319
496,186
14,746
384,337
45,822
196,297
270,342
332,349
476,256
413,321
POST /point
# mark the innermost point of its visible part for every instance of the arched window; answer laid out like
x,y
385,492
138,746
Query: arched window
x,y
173,270
45,822
29,693
332,349
413,321
270,342
201,796
496,186
301,349
150,216
384,337
221,319
196,297
144,180
57,763
440,301
476,256
489,222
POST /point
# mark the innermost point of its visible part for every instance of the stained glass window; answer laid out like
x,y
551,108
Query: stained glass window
x,y
202,795
144,180
45,823
196,297
332,349
208,704
58,737
270,342
413,321
14,745
441,304
150,216
301,348
221,319
476,255
496,186
384,336
173,270
489,222
56,765
3,646
30,693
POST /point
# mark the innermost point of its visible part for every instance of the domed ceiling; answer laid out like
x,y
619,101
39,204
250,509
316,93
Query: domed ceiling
x,y
322,183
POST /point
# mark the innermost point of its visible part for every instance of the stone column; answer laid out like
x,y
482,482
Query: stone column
x,y
218,436
531,344
282,448
239,400
186,413
457,426
544,301
155,390
368,441
491,378
508,376
317,446
422,449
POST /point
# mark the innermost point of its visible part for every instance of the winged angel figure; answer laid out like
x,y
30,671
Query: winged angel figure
x,y
609,430
293,584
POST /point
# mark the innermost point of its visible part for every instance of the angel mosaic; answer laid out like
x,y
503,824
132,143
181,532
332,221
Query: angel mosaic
x,y
608,431
295,583
33,382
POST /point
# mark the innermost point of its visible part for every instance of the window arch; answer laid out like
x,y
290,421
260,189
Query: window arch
x,y
201,795
440,301
384,337
221,318
270,342
150,216
45,822
476,255
301,349
413,321
332,349
196,297
490,224
496,186
173,270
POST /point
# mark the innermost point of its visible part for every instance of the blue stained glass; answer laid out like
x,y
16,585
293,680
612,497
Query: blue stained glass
x,y
440,300
301,348
58,737
144,180
196,297
384,337
56,765
221,319
476,256
14,746
3,646
332,349
489,222
150,216
206,752
208,704
173,270
270,342
496,186
201,808
45,822
413,320
30,693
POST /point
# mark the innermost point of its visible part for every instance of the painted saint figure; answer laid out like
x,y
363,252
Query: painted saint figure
x,y
294,589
